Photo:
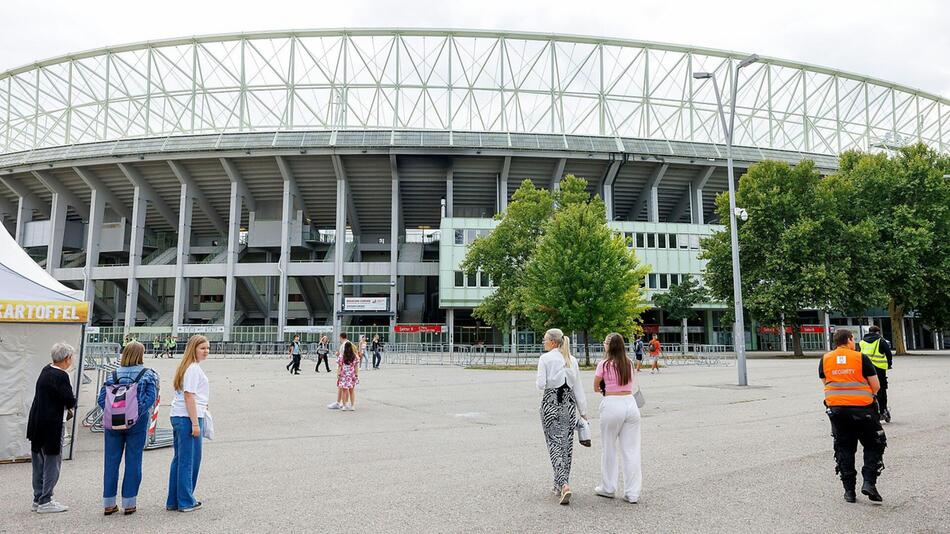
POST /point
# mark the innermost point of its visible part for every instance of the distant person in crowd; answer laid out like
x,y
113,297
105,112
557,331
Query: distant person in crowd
x,y
619,421
188,412
53,397
562,401
348,376
338,404
878,350
362,354
323,351
126,425
170,345
377,349
158,347
655,350
638,351
294,365
850,385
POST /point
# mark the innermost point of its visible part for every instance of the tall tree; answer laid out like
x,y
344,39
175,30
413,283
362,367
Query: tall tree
x,y
679,304
582,277
795,252
907,200
504,253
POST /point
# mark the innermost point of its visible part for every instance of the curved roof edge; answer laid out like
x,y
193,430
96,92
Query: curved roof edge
x,y
438,32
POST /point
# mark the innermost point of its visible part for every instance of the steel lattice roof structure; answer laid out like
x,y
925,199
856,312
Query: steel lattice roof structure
x,y
450,81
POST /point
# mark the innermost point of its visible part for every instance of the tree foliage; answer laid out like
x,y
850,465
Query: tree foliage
x,y
680,301
582,277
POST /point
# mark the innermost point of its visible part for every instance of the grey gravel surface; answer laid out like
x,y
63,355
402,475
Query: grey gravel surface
x,y
439,449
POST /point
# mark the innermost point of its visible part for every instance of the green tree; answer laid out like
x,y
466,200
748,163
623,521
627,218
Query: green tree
x,y
907,201
679,303
795,252
582,277
504,253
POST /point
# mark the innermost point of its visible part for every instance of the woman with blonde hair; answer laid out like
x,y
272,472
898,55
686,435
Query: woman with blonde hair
x,y
188,417
619,421
563,399
125,427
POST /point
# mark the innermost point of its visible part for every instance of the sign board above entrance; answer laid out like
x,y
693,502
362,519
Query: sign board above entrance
x,y
419,328
365,304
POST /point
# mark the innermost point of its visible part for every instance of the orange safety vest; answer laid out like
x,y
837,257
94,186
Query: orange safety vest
x,y
845,384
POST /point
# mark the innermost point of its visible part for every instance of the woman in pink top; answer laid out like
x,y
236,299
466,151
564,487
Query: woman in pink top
x,y
619,421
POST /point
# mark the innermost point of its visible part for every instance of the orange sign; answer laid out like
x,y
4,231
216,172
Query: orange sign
x,y
31,311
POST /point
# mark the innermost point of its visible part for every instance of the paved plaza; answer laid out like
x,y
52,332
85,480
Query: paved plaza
x,y
445,449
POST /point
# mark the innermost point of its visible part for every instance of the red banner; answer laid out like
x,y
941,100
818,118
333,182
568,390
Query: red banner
x,y
651,329
805,329
418,329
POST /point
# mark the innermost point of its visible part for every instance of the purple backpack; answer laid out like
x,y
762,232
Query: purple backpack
x,y
122,403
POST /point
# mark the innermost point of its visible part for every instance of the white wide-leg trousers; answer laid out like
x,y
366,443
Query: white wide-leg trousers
x,y
620,426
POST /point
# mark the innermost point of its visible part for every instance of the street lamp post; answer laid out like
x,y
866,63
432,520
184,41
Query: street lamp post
x,y
739,326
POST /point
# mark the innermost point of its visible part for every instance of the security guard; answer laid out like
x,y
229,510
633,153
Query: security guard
x,y
850,385
878,351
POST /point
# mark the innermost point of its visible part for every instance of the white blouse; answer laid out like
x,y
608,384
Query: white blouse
x,y
552,373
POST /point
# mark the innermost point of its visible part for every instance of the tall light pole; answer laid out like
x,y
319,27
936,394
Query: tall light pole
x,y
738,334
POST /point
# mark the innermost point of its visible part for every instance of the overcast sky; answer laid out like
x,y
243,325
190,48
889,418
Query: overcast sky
x,y
907,42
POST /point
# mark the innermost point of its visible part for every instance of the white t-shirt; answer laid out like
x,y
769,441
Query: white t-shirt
x,y
195,381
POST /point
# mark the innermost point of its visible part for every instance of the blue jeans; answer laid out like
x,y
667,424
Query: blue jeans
x,y
183,475
132,442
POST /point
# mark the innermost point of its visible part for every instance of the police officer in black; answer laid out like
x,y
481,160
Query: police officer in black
x,y
850,386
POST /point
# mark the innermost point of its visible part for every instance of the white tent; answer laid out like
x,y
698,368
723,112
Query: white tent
x,y
36,311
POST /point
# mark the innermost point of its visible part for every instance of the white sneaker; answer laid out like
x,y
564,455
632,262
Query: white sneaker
x,y
334,406
352,408
600,491
35,506
51,507
629,500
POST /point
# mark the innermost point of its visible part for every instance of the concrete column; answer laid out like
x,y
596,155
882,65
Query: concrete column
x,y
394,232
653,204
696,204
57,226
283,263
449,193
503,185
826,317
685,335
913,334
135,257
514,336
338,249
234,236
450,325
182,295
709,327
783,341
97,207
24,214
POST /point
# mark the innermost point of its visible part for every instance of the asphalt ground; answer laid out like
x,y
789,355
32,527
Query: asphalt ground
x,y
445,449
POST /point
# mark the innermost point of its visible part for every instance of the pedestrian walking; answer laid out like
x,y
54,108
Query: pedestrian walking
x,y
655,350
377,349
348,376
323,351
619,421
850,385
53,397
188,413
563,400
362,354
126,398
294,365
338,404
638,351
878,350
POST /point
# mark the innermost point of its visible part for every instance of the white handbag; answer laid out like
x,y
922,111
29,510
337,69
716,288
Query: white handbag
x,y
583,431
207,429
638,396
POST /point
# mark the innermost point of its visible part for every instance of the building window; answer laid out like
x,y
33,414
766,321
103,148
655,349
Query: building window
x,y
469,236
661,240
683,240
672,238
483,232
459,279
651,240
473,280
664,282
674,279
641,240
460,237
653,281
694,242
483,278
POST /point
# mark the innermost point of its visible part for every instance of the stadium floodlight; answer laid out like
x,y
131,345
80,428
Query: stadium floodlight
x,y
738,336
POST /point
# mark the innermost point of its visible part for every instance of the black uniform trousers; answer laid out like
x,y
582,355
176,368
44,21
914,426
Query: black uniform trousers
x,y
882,393
853,424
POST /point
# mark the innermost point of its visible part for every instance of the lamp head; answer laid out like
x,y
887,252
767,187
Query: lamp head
x,y
749,60
702,75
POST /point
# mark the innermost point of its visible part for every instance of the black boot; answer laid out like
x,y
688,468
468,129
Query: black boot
x,y
887,415
849,495
870,490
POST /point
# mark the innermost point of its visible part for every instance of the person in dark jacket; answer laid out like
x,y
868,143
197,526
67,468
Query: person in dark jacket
x,y
879,351
54,395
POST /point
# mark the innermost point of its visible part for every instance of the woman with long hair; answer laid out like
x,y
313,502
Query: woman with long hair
x,y
563,399
188,415
129,440
348,375
619,421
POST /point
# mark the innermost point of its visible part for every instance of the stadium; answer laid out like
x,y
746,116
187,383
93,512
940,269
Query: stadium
x,y
255,186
